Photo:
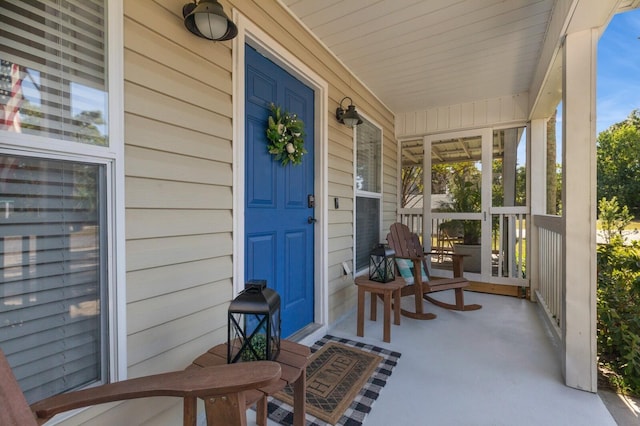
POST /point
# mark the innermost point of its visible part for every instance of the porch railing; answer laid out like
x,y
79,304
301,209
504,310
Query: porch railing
x,y
412,218
509,236
508,242
550,233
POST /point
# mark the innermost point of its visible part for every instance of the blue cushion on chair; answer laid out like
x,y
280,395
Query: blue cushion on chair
x,y
405,266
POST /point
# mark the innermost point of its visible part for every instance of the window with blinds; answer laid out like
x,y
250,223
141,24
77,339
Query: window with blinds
x,y
53,233
52,273
53,73
368,190
367,229
369,150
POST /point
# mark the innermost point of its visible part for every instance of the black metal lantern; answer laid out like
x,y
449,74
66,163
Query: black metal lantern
x,y
253,329
381,264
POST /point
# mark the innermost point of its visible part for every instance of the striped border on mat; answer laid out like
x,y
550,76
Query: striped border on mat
x,y
354,415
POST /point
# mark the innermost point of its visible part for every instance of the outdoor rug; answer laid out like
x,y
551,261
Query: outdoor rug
x,y
344,378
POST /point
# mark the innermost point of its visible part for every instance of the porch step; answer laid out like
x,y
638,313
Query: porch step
x,y
624,409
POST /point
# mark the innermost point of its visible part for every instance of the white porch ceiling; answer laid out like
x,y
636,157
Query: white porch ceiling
x,y
418,54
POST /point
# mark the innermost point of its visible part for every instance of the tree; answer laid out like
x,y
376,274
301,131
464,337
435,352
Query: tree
x,y
412,184
464,187
552,172
521,186
618,162
613,218
86,127
497,185
83,127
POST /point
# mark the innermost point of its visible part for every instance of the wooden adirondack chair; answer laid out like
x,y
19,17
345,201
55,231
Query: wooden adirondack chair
x,y
228,381
407,246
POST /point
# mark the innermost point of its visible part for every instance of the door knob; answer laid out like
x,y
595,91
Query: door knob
x,y
311,219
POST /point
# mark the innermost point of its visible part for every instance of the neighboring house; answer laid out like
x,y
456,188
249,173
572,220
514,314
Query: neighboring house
x,y
138,196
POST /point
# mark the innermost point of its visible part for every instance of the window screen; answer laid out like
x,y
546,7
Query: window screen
x,y
368,191
52,273
367,229
369,151
53,74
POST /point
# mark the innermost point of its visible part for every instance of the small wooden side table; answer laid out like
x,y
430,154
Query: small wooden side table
x,y
293,360
386,290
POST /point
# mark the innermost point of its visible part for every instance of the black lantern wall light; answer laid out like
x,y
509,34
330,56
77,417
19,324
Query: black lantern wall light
x,y
207,19
253,329
350,117
382,266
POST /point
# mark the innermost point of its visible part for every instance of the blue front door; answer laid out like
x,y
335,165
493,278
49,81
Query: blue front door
x,y
279,212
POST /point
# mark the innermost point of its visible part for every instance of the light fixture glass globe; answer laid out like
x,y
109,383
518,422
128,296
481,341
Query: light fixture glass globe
x,y
210,25
351,117
350,122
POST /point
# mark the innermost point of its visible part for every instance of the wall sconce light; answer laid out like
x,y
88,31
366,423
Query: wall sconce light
x,y
350,117
207,19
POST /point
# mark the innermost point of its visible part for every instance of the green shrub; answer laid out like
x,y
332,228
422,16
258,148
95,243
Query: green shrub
x,y
613,218
619,312
259,344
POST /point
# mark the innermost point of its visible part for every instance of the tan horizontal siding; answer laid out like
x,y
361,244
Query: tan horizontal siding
x,y
337,272
148,133
336,255
172,360
151,253
342,242
341,191
167,336
340,230
342,165
162,280
176,305
164,19
180,113
340,177
341,217
179,188
147,163
159,78
155,223
172,415
344,154
343,298
151,193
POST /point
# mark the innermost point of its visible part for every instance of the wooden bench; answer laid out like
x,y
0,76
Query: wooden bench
x,y
293,360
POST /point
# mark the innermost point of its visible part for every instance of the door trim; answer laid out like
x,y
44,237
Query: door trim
x,y
486,134
249,33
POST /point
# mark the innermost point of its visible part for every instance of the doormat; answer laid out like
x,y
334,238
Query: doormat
x,y
344,378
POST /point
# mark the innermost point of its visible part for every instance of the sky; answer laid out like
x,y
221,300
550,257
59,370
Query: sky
x,y
618,70
618,74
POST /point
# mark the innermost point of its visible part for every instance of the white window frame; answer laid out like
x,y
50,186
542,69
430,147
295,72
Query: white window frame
x,y
366,194
112,156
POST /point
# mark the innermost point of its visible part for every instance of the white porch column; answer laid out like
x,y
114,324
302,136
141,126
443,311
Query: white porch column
x,y
537,178
579,209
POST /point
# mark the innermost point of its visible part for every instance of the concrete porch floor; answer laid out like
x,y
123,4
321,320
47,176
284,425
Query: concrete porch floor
x,y
495,366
